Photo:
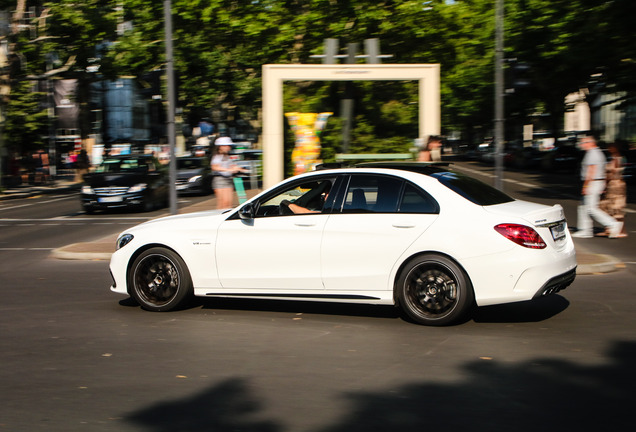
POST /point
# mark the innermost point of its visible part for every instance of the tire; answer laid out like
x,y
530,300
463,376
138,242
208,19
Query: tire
x,y
433,290
159,280
148,204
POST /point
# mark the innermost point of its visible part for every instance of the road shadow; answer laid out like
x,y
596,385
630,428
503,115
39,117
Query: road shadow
x,y
544,394
226,407
299,307
528,311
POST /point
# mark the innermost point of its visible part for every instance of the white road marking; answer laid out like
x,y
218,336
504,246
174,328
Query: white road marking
x,y
70,219
54,199
25,249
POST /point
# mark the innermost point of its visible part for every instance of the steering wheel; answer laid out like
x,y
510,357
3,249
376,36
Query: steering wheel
x,y
284,208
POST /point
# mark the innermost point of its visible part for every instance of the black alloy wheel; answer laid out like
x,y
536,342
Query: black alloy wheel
x,y
159,280
434,290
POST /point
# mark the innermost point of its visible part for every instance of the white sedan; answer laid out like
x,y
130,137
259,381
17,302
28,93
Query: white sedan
x,y
422,237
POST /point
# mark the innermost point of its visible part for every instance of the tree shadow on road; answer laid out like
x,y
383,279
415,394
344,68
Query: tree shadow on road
x,y
538,394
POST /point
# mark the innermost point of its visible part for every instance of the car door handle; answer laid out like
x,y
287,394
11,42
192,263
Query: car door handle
x,y
305,224
403,225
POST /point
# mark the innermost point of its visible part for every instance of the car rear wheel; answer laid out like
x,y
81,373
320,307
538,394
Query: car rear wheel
x,y
434,290
159,280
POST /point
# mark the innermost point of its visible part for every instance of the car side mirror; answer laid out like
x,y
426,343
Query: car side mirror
x,y
246,212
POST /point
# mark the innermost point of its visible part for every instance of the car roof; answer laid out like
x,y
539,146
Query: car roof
x,y
426,168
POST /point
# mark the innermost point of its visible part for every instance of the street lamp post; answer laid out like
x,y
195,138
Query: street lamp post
x,y
499,94
167,11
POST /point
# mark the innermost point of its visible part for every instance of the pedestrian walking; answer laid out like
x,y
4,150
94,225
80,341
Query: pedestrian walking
x,y
432,150
41,162
82,164
615,197
223,169
593,176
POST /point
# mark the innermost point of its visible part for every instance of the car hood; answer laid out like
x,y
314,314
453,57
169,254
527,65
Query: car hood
x,y
97,180
209,218
533,213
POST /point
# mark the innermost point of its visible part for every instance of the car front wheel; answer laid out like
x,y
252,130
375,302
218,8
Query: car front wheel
x,y
434,290
159,280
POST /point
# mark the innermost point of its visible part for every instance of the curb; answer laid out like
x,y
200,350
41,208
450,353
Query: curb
x,y
64,254
590,264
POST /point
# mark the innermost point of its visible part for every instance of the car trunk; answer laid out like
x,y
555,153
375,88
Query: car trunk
x,y
548,221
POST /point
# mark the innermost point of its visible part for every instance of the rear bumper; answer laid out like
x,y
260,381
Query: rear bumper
x,y
556,284
524,275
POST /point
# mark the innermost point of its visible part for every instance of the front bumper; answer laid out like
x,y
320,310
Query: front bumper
x,y
104,202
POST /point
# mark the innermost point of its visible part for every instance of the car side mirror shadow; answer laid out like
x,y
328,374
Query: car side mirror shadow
x,y
247,212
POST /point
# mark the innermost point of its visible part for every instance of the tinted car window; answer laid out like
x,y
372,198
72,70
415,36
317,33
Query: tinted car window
x,y
185,164
125,165
415,200
372,194
472,189
384,194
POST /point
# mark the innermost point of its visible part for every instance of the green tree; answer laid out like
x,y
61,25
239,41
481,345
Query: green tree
x,y
26,118
221,45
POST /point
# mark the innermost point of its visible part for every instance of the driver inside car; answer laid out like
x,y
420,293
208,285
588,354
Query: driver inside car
x,y
314,198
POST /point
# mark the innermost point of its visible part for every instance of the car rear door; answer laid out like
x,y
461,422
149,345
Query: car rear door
x,y
380,217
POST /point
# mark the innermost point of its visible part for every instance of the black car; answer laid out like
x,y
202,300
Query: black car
x,y
566,158
194,175
138,182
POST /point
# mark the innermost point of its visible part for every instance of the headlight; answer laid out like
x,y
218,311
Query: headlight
x,y
123,240
137,188
194,179
87,190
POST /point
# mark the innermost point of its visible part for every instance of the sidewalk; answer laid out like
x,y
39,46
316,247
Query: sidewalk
x,y
101,249
27,191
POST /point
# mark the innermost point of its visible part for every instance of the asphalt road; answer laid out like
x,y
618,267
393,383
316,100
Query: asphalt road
x,y
77,358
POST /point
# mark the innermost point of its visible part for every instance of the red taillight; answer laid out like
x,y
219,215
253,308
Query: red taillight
x,y
522,235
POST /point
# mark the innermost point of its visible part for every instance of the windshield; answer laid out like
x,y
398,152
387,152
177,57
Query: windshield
x,y
472,189
184,164
122,165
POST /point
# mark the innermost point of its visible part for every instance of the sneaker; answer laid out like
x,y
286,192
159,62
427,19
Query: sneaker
x,y
582,234
615,230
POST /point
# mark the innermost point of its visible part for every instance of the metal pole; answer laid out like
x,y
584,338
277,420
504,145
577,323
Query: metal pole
x,y
167,12
499,94
346,103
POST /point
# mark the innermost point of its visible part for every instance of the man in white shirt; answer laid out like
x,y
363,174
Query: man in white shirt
x,y
593,176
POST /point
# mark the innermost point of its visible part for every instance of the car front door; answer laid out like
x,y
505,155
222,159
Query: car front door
x,y
276,250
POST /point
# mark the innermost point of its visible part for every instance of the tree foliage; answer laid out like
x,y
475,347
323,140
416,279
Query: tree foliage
x,y
26,118
221,45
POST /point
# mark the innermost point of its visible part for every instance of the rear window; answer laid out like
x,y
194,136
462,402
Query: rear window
x,y
472,189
